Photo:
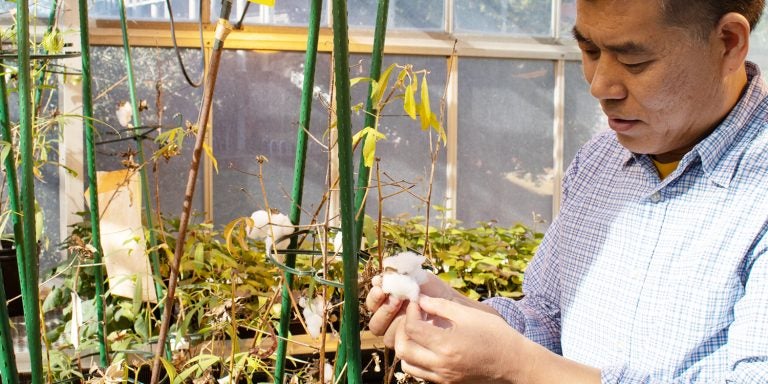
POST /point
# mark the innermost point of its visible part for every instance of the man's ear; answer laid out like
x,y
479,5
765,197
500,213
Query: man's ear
x,y
732,33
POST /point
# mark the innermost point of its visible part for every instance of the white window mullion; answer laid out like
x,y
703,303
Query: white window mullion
x,y
71,154
451,127
558,134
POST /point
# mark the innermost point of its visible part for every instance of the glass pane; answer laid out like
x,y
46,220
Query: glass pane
x,y
403,14
567,18
583,116
38,13
507,17
405,154
170,100
256,113
183,10
45,152
285,12
505,140
758,48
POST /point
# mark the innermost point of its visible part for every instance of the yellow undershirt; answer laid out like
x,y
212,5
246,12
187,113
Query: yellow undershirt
x,y
665,168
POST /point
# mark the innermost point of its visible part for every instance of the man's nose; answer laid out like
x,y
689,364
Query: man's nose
x,y
607,81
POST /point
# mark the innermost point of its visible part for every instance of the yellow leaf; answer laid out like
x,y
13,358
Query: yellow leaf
x,y
377,92
409,103
426,112
369,152
268,3
209,153
370,136
355,80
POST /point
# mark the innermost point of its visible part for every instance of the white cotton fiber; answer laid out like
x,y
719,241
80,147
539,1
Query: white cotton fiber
x,y
400,286
407,263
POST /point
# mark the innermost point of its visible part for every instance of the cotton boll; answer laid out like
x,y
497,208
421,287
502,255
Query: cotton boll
x,y
407,263
259,230
280,257
179,343
327,373
400,286
280,227
314,322
313,314
124,113
337,243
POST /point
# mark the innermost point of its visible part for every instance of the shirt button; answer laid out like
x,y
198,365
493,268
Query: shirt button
x,y
656,197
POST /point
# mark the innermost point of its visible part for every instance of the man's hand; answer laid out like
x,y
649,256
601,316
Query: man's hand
x,y
388,311
447,342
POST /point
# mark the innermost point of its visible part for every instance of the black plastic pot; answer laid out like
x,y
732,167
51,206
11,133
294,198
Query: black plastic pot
x,y
11,282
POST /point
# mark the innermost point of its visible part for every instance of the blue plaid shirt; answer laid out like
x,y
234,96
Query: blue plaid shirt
x,y
660,281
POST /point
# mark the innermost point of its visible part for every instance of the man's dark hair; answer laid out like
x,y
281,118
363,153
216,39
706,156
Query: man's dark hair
x,y
703,15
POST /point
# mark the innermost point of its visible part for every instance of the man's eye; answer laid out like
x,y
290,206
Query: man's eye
x,y
636,67
591,53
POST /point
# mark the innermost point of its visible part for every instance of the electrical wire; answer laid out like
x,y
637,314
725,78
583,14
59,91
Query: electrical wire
x,y
176,46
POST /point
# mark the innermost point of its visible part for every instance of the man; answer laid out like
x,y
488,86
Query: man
x,y
656,268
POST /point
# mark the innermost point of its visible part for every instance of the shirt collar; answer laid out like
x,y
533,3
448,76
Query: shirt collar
x,y
718,156
720,151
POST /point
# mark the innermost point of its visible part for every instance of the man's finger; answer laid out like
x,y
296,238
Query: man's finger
x,y
439,307
375,298
421,330
382,318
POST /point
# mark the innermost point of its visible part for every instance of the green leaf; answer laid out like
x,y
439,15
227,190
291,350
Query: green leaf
x,y
140,326
5,150
199,253
137,296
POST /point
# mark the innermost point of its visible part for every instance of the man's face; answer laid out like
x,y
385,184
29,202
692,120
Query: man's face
x,y
661,89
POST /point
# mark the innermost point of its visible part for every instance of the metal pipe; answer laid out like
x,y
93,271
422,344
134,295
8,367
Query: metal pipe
x,y
90,159
307,90
145,195
222,30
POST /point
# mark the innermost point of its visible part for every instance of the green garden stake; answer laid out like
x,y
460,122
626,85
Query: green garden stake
x,y
90,159
145,195
28,263
298,179
351,315
7,356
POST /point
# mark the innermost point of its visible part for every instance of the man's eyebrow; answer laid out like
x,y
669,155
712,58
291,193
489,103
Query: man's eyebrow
x,y
626,48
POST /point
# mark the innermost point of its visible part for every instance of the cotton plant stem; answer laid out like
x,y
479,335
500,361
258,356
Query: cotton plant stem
x,y
222,29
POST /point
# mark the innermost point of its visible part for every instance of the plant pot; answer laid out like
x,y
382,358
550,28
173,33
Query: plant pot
x,y
11,278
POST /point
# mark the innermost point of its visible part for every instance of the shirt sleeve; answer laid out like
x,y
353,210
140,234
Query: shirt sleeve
x,y
744,358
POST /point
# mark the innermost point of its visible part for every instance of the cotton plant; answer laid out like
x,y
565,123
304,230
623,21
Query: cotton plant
x,y
402,275
263,229
313,314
